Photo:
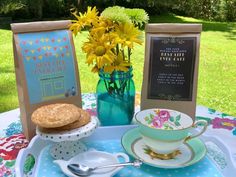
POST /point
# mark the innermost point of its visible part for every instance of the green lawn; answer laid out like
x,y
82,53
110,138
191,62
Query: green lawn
x,y
217,76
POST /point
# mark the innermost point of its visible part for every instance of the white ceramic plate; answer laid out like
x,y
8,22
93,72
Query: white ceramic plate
x,y
70,135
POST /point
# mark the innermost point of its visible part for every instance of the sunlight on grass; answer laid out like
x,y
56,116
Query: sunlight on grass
x,y
217,73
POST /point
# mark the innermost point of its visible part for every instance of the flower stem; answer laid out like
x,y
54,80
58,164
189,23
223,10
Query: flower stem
x,y
129,54
117,49
123,54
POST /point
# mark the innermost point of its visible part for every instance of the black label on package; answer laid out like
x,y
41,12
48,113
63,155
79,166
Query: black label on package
x,y
171,69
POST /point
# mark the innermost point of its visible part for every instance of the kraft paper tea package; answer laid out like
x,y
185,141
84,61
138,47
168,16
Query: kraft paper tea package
x,y
171,67
46,67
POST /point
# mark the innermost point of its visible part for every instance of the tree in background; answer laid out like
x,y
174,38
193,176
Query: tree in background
x,y
220,10
36,9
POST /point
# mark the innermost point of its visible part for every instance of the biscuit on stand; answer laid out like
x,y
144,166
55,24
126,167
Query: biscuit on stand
x,y
60,117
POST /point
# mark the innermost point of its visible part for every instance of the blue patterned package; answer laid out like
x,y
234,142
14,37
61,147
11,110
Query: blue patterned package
x,y
46,67
48,64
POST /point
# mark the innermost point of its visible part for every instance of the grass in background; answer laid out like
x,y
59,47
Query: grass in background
x,y
217,73
8,93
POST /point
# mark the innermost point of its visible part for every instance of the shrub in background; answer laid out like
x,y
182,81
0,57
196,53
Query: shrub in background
x,y
231,9
12,8
36,9
220,10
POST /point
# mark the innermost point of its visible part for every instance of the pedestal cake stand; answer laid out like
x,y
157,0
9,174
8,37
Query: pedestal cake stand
x,y
68,143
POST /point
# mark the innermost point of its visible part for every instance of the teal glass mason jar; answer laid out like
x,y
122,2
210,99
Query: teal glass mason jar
x,y
115,98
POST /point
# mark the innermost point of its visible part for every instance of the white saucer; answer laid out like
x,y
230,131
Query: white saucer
x,y
191,152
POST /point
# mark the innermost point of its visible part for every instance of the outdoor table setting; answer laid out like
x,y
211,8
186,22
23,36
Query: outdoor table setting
x,y
221,133
116,131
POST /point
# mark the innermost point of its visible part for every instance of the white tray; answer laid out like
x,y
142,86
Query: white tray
x,y
218,153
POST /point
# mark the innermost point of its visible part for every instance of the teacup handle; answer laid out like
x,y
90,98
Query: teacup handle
x,y
196,124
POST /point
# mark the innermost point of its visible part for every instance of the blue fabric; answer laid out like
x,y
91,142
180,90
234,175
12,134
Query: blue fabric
x,y
203,168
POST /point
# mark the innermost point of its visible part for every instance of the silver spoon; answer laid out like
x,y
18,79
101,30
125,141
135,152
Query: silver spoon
x,y
83,170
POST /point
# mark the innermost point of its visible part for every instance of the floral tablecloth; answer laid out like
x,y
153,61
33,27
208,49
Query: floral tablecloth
x,y
12,140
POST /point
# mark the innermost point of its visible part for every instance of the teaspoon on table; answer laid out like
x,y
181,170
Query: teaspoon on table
x,y
84,170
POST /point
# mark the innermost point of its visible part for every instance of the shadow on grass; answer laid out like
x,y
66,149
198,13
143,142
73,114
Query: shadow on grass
x,y
228,27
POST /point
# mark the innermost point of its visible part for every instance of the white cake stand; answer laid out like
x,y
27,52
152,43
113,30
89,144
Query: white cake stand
x,y
67,143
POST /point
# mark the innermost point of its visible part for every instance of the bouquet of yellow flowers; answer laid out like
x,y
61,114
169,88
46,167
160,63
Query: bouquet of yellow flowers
x,y
112,35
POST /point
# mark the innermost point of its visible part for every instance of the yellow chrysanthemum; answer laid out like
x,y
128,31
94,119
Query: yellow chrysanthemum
x,y
102,25
86,19
109,38
119,64
128,34
99,49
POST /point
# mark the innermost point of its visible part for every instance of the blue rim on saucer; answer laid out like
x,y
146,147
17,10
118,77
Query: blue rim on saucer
x,y
191,152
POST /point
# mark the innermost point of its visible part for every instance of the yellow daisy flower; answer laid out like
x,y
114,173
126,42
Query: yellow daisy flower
x,y
128,34
102,25
99,49
86,19
119,64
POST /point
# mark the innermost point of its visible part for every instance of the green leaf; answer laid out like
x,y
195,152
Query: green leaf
x,y
167,127
177,118
29,164
1,159
10,163
149,121
172,119
151,116
177,123
224,115
209,120
211,111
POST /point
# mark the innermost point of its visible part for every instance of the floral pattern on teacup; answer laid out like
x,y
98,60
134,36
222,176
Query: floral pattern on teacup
x,y
162,119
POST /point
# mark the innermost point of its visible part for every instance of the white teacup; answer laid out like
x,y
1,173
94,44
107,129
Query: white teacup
x,y
165,130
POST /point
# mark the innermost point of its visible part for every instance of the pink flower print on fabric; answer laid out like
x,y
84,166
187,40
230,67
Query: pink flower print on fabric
x,y
224,123
4,171
92,112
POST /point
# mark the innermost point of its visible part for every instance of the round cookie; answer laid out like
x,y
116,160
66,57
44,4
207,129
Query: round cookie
x,y
83,120
55,115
